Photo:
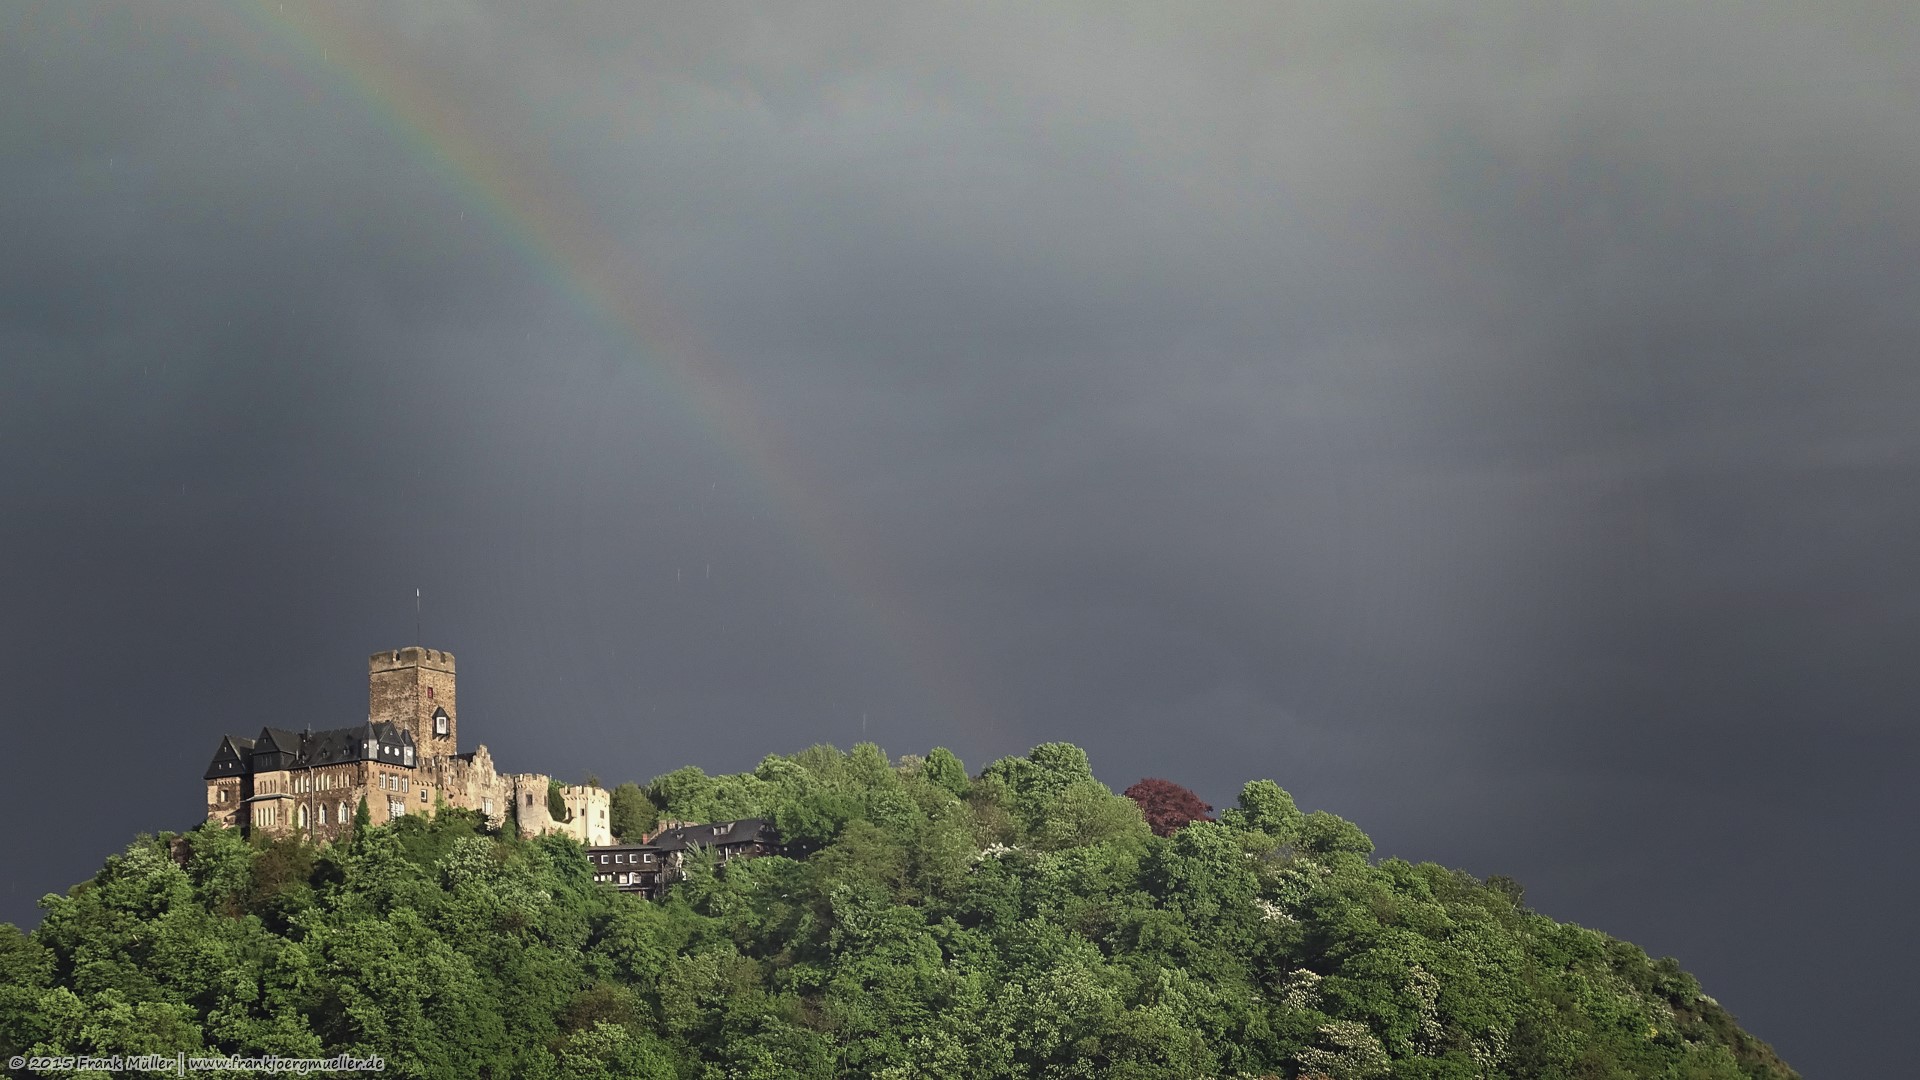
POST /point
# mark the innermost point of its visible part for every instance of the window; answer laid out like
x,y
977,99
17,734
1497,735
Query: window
x,y
603,859
403,783
300,817
439,721
407,752
648,857
395,808
529,798
486,807
344,818
622,857
423,794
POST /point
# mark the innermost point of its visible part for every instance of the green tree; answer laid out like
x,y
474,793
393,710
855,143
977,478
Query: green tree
x,y
944,770
1266,807
632,815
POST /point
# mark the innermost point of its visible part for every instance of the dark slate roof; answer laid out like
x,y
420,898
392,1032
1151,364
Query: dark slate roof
x,y
273,739
305,750
717,834
337,744
230,757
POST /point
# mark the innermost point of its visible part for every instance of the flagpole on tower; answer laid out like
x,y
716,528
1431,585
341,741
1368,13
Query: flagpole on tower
x,y
416,614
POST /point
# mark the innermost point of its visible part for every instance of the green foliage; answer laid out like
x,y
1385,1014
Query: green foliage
x,y
557,802
1265,807
1024,924
944,770
633,815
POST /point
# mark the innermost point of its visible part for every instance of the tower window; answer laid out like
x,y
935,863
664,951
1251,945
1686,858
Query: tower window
x,y
439,721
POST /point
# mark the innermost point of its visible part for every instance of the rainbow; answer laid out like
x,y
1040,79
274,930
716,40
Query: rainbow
x,y
533,211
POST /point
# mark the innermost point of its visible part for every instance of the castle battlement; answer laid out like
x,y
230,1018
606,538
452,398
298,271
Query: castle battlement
x,y
411,656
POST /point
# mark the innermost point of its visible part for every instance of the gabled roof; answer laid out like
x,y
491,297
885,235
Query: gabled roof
x,y
277,740
230,758
334,745
307,749
717,834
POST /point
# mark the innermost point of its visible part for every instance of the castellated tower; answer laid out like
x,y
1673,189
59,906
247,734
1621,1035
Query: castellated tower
x,y
413,688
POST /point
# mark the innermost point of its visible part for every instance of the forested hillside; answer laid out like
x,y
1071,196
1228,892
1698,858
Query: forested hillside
x,y
1022,923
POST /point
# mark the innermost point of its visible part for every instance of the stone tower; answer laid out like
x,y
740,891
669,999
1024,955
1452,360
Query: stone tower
x,y
414,688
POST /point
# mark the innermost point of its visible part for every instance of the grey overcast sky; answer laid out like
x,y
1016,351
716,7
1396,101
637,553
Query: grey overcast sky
x,y
1494,422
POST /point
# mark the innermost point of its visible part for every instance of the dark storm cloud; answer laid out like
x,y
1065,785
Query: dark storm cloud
x,y
1496,426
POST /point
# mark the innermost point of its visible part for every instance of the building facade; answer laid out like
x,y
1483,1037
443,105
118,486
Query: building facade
x,y
405,759
660,860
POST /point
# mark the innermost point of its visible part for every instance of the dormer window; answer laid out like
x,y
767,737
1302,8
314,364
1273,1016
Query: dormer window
x,y
440,721
406,752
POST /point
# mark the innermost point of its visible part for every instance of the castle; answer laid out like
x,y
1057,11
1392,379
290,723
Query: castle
x,y
405,759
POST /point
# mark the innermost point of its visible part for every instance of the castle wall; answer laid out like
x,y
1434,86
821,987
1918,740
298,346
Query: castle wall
x,y
223,800
473,784
591,808
588,809
530,804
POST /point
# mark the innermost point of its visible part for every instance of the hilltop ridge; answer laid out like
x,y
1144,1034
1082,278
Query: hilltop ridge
x,y
1023,922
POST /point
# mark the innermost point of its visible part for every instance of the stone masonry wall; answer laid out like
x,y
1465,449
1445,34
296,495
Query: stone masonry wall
x,y
404,686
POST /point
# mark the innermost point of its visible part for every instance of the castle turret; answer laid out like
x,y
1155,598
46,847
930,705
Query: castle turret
x,y
414,688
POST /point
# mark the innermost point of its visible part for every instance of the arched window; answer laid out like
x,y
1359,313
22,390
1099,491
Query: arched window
x,y
345,814
300,817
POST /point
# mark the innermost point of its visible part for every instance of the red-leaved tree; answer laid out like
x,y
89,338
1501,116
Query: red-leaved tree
x,y
1167,805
